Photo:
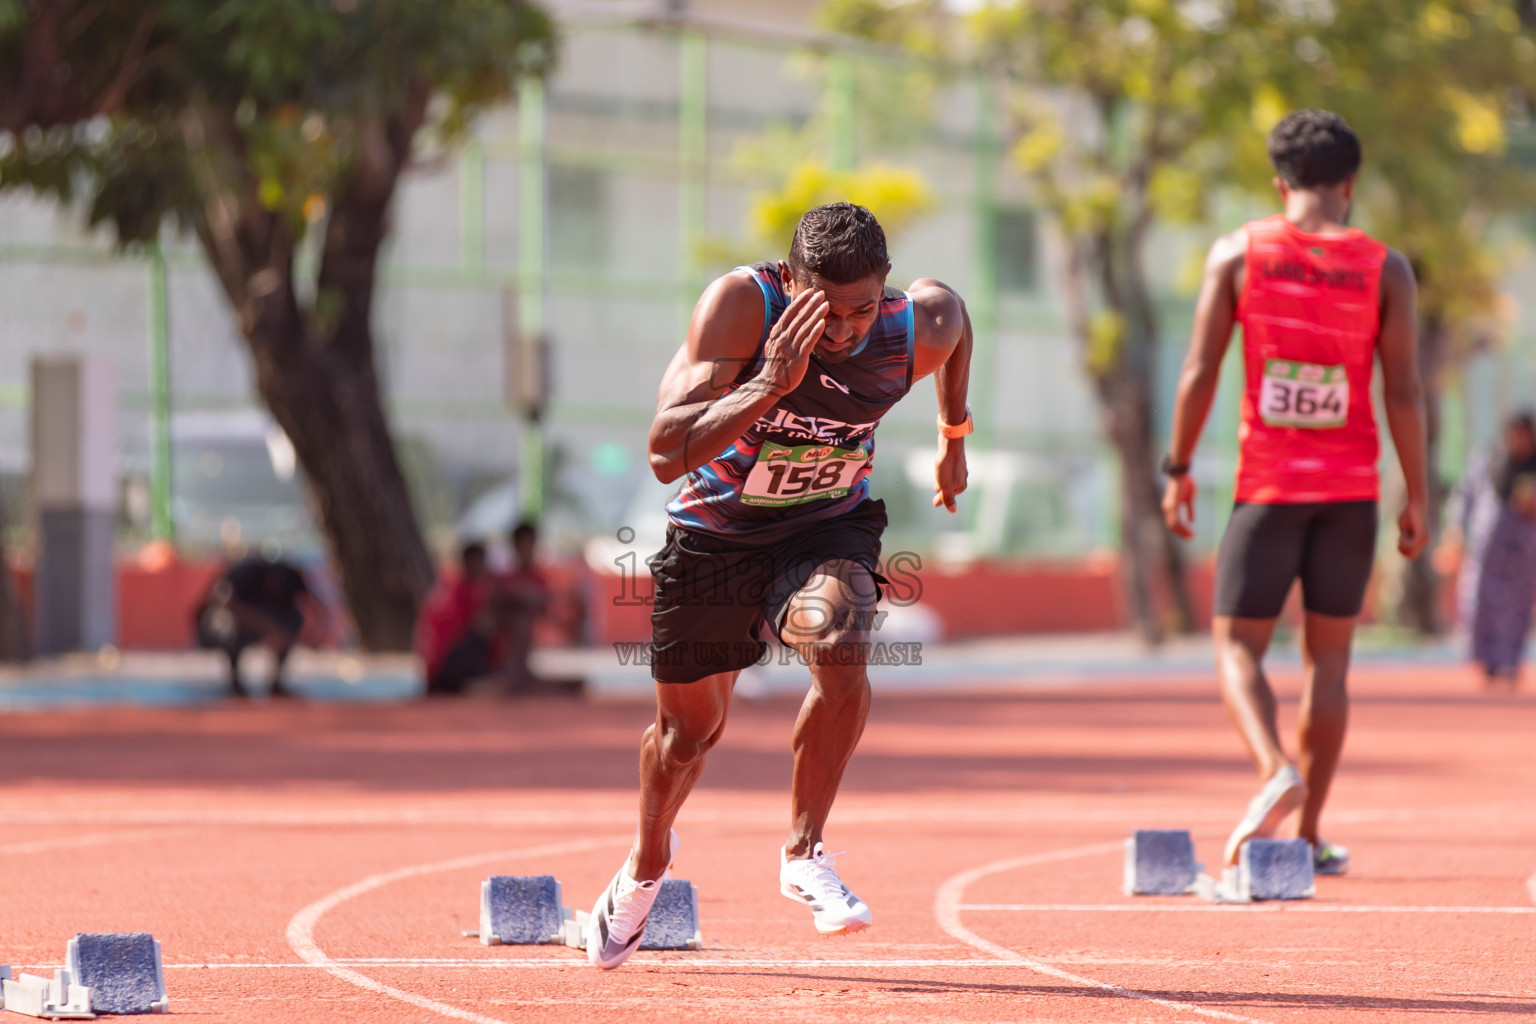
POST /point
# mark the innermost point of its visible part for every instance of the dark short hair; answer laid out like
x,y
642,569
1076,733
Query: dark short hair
x,y
525,528
840,243
1523,420
1314,148
474,549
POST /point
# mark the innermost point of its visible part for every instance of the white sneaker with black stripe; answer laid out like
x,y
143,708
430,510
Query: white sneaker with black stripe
x,y
617,923
1283,793
814,882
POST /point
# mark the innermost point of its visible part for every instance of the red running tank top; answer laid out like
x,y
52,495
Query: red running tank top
x,y
1310,310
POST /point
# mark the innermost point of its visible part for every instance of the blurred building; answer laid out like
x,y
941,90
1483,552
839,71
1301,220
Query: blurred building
x,y
594,210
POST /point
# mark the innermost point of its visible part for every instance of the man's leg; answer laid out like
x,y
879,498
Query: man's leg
x,y
690,718
232,652
281,645
1240,647
1324,711
828,622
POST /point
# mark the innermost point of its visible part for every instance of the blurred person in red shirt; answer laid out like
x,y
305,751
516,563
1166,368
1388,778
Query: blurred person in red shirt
x,y
526,593
456,631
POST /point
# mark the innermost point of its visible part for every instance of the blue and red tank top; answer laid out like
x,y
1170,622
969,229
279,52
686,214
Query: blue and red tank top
x,y
1311,313
808,458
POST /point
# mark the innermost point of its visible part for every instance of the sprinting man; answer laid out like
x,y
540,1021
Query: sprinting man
x,y
769,411
1319,302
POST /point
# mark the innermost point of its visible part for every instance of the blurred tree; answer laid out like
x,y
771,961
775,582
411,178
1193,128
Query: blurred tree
x,y
894,195
1127,112
264,126
817,161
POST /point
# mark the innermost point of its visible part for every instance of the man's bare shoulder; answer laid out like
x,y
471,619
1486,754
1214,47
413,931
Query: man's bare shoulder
x,y
938,311
728,320
1397,270
1228,252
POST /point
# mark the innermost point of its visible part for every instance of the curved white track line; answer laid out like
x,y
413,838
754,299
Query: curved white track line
x,y
946,907
301,930
90,839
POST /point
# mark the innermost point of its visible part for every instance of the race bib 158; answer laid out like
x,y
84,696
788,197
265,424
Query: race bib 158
x,y
1303,395
785,475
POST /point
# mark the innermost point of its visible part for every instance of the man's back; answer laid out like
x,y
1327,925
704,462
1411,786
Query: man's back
x,y
1310,309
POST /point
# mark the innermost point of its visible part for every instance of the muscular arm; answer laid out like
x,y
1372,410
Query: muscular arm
x,y
942,343
695,418
1403,395
1215,314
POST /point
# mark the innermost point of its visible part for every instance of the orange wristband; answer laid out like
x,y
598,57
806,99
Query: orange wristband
x,y
957,430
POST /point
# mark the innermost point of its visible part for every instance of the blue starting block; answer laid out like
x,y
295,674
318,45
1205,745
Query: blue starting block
x,y
1276,869
1160,862
672,924
526,910
124,972
674,920
522,910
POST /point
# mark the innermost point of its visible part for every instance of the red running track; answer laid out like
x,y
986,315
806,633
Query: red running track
x,y
308,863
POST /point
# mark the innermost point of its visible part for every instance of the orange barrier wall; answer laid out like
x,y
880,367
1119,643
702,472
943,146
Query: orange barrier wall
x,y
985,599
155,606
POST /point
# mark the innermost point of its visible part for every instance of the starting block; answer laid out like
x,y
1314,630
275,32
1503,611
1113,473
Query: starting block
x,y
526,910
522,910
1160,862
123,972
1266,869
1276,869
674,920
58,999
673,923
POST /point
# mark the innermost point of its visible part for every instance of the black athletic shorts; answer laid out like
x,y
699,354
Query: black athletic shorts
x,y
1330,546
713,594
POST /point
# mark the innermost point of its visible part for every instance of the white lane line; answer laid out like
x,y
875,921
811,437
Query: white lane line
x,y
947,904
434,816
577,960
301,929
91,839
1289,907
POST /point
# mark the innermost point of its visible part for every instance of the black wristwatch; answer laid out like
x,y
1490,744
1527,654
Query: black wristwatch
x,y
1171,468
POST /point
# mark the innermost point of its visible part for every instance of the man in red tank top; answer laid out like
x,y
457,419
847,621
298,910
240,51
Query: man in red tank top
x,y
1319,302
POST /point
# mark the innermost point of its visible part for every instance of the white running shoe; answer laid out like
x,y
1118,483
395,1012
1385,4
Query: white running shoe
x,y
617,923
814,882
1283,793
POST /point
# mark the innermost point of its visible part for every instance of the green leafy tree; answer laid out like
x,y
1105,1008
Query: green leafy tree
x,y
264,126
1126,113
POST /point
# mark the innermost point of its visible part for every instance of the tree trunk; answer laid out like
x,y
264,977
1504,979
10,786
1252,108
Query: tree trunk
x,y
330,409
1151,563
315,369
1419,606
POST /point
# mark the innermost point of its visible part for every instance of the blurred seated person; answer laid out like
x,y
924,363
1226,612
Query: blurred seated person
x,y
255,601
457,629
1491,537
526,591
